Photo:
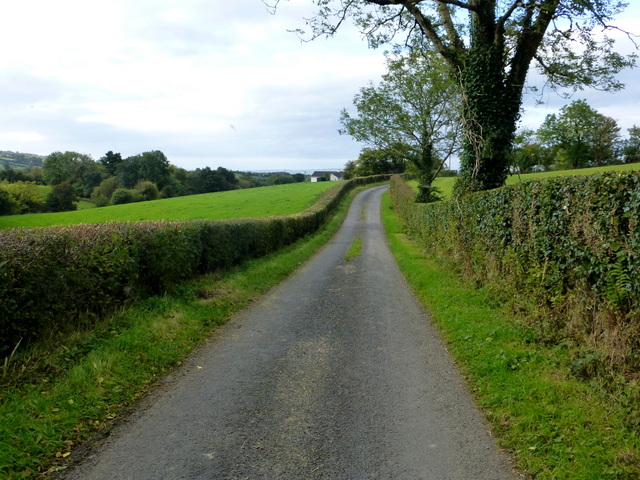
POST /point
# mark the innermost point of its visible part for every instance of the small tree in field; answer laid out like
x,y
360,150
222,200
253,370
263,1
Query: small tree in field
x,y
580,136
375,162
147,190
25,197
121,195
62,198
631,148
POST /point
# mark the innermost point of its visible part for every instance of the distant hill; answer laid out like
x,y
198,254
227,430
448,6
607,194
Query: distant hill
x,y
18,160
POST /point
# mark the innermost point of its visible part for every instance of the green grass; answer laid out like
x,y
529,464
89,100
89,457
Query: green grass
x,y
70,389
355,250
44,190
445,184
554,425
248,203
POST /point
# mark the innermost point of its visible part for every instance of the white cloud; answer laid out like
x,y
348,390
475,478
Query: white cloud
x,y
21,137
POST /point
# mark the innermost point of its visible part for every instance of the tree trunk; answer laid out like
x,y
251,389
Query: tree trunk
x,y
491,108
490,111
424,163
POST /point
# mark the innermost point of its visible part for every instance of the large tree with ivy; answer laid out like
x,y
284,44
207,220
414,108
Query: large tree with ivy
x,y
489,47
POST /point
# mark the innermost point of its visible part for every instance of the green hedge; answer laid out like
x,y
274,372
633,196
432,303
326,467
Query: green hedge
x,y
52,279
569,246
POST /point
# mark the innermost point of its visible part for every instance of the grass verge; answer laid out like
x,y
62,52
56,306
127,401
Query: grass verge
x,y
553,424
79,386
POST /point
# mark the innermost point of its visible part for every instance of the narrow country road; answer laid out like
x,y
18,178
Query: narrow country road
x,y
335,374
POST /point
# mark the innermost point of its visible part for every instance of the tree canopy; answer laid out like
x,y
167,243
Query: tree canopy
x,y
580,136
631,149
412,113
72,167
375,161
489,47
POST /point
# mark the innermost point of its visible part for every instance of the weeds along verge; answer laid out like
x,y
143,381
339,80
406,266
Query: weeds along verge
x,y
564,252
54,279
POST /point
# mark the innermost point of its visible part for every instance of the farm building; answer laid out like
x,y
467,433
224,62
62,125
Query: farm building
x,y
326,176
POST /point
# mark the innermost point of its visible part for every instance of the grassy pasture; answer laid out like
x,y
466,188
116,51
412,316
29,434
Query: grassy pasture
x,y
445,184
248,203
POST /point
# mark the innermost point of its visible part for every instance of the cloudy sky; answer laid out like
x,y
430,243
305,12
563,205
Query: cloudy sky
x,y
210,83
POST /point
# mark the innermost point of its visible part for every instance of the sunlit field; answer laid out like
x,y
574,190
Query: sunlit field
x,y
247,203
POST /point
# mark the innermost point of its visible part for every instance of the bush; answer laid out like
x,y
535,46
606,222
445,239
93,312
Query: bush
x,y
105,189
99,200
25,196
7,205
121,195
62,198
147,190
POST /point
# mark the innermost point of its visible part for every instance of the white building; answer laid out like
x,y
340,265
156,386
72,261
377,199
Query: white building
x,y
327,176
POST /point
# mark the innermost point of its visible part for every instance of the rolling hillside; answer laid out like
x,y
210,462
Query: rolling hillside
x,y
18,160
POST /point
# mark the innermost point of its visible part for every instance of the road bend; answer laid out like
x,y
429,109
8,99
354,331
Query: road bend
x,y
336,374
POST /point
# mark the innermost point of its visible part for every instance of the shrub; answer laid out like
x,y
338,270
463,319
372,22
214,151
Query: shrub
x,y
147,190
62,198
25,196
7,205
99,200
121,195
105,189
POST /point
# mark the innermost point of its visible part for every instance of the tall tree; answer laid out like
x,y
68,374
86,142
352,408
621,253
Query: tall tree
x,y
489,46
152,166
580,136
110,161
73,167
631,148
412,113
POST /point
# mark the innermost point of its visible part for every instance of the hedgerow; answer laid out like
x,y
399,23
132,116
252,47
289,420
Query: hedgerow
x,y
563,251
52,279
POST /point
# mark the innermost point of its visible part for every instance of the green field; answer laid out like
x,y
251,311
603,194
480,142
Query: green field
x,y
445,184
248,203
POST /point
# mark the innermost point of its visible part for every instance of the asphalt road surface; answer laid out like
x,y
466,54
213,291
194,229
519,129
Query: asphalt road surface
x,y
335,374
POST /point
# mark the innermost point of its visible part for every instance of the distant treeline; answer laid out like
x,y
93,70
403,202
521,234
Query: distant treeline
x,y
113,180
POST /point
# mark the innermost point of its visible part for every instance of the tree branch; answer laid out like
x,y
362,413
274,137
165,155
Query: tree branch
x,y
503,19
528,43
271,8
387,2
456,3
445,16
430,32
406,3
